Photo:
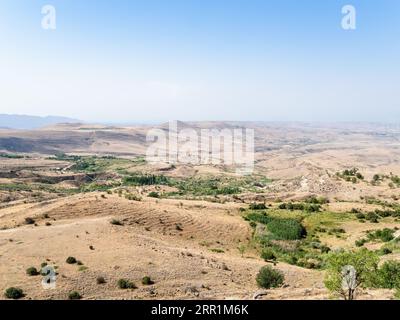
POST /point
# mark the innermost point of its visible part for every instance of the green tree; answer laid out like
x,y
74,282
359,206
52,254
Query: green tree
x,y
389,275
349,270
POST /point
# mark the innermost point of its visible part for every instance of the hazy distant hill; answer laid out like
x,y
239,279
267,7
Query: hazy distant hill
x,y
30,122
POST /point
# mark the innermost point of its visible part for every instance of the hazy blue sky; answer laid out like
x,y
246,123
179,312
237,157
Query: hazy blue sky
x,y
157,60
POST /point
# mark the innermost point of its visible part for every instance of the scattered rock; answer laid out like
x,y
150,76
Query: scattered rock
x,y
258,294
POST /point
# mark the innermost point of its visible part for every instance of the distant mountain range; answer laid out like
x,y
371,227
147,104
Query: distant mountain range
x,y
26,122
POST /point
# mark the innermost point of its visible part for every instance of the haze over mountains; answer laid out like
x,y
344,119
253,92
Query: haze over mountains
x,y
27,122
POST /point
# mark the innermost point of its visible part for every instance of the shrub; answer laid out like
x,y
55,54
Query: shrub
x,y
268,254
372,217
361,242
70,260
253,224
257,206
29,220
384,251
286,229
397,294
317,200
325,249
116,222
258,217
309,207
74,295
125,284
145,180
147,281
360,215
338,230
13,293
389,275
133,197
32,271
100,280
154,194
312,208
384,235
268,278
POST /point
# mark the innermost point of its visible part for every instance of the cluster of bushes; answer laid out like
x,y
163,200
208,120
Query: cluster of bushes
x,y
279,228
258,217
384,235
11,156
133,197
206,187
316,200
286,229
257,206
126,284
366,274
85,164
305,253
395,180
374,216
309,207
350,175
103,187
154,194
285,240
146,180
389,275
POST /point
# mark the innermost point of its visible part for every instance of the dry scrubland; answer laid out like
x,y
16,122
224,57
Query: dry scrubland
x,y
86,192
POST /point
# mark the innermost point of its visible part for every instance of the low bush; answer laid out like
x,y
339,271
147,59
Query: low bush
x,y
70,260
29,220
32,271
125,284
338,230
154,194
116,222
100,280
372,217
257,206
14,293
147,281
360,216
317,200
268,278
258,217
384,251
361,242
384,235
389,275
309,207
268,254
74,295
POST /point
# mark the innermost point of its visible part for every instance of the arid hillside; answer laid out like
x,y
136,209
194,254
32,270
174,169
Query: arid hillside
x,y
87,193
